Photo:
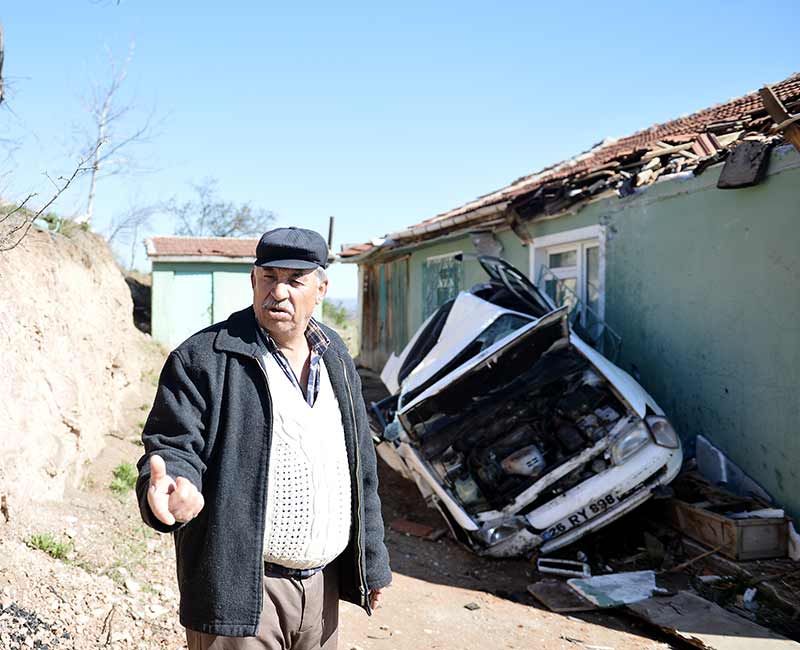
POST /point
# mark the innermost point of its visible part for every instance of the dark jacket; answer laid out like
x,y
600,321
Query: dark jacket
x,y
211,422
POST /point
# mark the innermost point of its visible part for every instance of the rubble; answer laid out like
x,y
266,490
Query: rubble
x,y
559,597
570,568
745,129
616,589
706,625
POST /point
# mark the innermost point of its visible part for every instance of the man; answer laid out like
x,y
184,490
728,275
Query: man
x,y
258,457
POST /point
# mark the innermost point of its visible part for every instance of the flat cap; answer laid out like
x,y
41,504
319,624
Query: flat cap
x,y
292,248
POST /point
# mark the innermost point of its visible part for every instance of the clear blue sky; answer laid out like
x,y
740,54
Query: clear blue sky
x,y
380,116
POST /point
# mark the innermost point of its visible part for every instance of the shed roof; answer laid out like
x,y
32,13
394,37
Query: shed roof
x,y
689,143
194,247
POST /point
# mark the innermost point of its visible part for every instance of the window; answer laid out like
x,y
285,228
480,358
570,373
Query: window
x,y
575,276
568,266
442,278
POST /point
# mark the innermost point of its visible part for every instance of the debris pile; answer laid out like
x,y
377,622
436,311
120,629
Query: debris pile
x,y
740,132
659,573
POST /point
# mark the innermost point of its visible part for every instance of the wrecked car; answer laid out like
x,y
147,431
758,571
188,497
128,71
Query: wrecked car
x,y
521,434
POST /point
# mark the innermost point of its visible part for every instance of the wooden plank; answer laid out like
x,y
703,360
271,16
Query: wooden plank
x,y
777,111
707,625
666,151
559,597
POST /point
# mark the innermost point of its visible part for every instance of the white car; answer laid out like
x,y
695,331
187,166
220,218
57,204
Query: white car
x,y
520,433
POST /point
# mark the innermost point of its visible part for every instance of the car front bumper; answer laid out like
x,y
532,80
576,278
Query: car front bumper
x,y
629,484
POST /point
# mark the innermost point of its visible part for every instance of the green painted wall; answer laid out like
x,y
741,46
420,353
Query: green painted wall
x,y
473,273
703,285
188,296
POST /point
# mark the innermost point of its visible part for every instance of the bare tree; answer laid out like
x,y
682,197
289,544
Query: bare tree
x,y
109,137
209,216
125,227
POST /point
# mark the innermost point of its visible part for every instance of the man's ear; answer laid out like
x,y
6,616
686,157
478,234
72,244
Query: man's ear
x,y
322,291
253,277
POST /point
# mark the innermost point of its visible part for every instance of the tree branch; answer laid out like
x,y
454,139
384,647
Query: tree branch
x,y
26,224
1,62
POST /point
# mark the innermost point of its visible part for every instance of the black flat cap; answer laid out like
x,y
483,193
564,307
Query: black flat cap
x,y
292,248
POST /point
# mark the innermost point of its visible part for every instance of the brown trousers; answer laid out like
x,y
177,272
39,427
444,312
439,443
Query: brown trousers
x,y
297,615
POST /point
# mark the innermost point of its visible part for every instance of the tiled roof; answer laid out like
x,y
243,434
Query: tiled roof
x,y
349,250
688,143
201,247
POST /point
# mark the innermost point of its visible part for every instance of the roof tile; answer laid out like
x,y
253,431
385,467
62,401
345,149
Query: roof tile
x,y
201,247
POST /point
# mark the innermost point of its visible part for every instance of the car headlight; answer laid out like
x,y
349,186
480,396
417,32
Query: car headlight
x,y
662,432
629,443
494,532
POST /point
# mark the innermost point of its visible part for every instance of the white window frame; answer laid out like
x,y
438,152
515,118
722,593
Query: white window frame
x,y
577,239
434,258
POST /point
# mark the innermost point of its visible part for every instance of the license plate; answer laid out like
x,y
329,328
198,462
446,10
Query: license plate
x,y
581,516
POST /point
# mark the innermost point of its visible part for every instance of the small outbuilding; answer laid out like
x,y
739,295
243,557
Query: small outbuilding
x,y
197,281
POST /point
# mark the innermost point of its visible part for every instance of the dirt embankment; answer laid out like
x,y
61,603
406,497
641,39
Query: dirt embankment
x,y
70,357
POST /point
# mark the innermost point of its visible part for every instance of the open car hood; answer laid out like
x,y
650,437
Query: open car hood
x,y
477,378
503,273
468,317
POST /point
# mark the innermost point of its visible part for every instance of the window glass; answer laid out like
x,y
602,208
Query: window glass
x,y
593,277
591,316
441,281
563,292
565,258
500,328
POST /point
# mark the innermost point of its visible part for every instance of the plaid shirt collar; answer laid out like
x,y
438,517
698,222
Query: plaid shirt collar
x,y
318,341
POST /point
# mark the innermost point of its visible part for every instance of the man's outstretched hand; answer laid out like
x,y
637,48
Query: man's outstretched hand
x,y
171,500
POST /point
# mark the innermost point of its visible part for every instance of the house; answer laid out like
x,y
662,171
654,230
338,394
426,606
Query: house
x,y
197,281
678,251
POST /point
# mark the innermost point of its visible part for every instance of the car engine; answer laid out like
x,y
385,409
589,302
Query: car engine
x,y
501,444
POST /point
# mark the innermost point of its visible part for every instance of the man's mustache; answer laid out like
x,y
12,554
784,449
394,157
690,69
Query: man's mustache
x,y
283,305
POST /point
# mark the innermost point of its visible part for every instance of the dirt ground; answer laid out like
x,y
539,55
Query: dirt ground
x,y
115,585
426,606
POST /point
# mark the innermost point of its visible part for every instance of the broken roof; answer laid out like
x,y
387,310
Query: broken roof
x,y
193,247
689,143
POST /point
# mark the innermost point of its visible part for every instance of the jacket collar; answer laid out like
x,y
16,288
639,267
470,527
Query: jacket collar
x,y
239,334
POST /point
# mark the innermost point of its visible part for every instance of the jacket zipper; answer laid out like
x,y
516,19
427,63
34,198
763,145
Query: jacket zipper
x,y
362,582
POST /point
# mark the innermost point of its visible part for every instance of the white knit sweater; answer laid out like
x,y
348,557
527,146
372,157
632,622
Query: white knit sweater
x,y
308,488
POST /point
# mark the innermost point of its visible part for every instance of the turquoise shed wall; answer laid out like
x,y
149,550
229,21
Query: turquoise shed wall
x,y
703,285
188,296
232,290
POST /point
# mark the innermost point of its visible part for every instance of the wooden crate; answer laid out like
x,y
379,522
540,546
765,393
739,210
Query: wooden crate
x,y
738,539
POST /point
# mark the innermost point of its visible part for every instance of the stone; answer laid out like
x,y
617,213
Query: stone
x,y
132,586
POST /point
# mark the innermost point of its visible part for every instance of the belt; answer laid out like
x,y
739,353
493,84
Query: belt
x,y
286,572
